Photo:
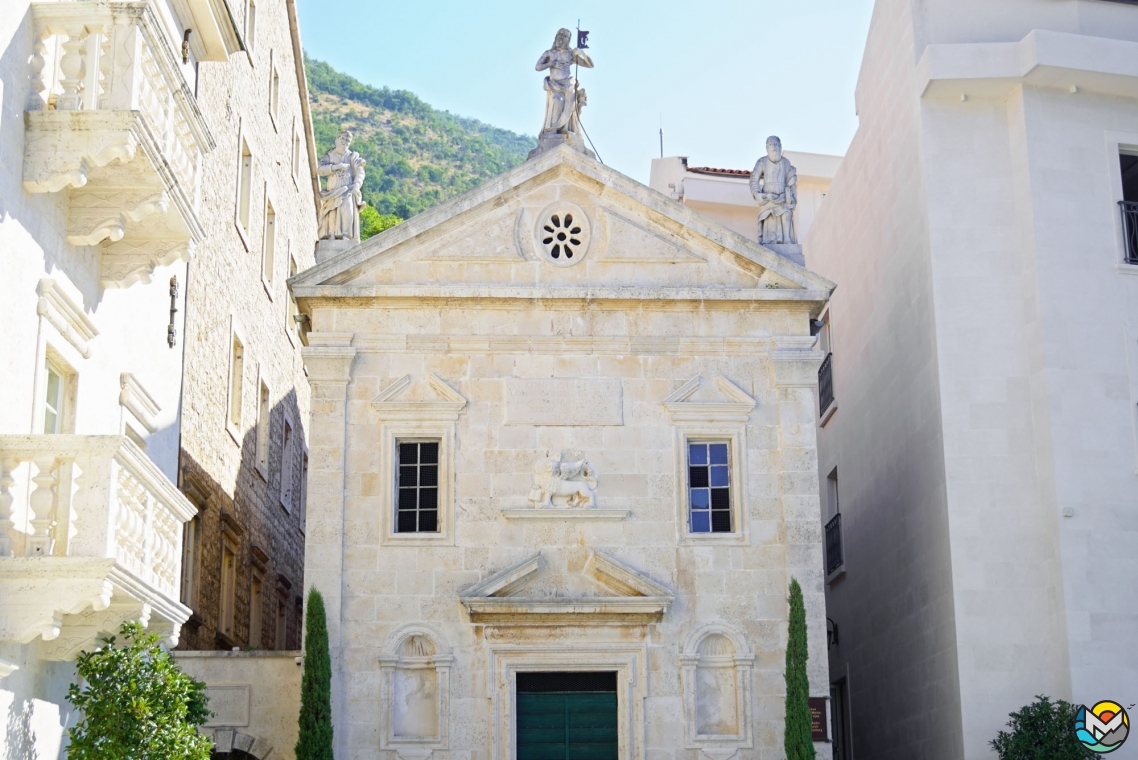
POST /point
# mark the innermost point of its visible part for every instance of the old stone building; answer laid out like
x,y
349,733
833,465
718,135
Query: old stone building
x,y
978,449
563,463
245,398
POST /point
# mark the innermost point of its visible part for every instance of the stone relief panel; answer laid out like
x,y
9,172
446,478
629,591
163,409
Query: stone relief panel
x,y
566,480
415,690
716,665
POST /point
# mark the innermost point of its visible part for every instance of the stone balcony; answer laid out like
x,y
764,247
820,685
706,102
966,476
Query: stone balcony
x,y
90,536
112,122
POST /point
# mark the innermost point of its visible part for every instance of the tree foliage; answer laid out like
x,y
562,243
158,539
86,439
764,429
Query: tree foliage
x,y
1042,729
315,742
372,222
799,740
417,156
136,702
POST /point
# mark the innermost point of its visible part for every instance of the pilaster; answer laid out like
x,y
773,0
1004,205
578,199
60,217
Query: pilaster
x,y
328,359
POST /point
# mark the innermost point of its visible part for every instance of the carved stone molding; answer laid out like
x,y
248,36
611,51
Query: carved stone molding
x,y
134,398
796,368
734,406
435,402
415,691
328,358
635,599
716,664
66,316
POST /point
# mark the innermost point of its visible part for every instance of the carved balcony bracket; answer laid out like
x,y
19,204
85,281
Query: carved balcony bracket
x,y
113,123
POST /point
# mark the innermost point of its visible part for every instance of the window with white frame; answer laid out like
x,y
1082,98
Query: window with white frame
x,y
250,25
291,310
274,94
269,245
264,428
296,150
709,487
303,489
244,186
417,483
57,411
288,443
236,385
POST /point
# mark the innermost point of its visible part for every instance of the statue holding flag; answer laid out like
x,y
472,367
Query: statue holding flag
x,y
564,98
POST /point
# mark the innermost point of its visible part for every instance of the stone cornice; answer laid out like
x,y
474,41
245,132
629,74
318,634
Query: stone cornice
x,y
446,409
328,358
134,398
584,293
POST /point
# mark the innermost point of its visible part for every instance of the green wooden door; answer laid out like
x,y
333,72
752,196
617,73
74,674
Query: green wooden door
x,y
577,725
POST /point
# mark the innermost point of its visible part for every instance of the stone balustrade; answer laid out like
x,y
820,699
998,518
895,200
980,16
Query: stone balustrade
x,y
86,521
112,121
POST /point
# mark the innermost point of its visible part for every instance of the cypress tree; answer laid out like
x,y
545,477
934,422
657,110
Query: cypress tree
x,y
798,742
315,742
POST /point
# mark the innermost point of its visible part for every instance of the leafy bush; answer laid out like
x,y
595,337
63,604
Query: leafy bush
x,y
136,703
1043,729
315,742
372,222
799,741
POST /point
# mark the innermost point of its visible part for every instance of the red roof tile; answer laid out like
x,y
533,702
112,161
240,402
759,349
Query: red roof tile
x,y
721,172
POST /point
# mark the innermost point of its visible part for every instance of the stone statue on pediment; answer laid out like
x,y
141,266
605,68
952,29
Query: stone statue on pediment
x,y
341,198
564,97
774,184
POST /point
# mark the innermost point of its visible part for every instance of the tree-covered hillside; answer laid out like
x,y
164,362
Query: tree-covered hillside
x,y
416,156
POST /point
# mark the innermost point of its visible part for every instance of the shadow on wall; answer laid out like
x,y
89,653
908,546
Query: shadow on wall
x,y
20,737
246,547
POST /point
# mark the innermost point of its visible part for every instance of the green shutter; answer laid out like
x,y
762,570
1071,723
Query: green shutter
x,y
577,725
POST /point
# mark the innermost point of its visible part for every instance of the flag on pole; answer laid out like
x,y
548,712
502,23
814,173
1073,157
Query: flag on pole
x,y
582,40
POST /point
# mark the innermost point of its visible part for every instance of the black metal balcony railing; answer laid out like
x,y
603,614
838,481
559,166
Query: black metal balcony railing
x,y
834,558
1130,229
825,385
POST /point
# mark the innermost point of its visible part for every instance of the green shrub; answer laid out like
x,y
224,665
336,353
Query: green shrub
x,y
315,742
372,222
136,703
1043,729
799,740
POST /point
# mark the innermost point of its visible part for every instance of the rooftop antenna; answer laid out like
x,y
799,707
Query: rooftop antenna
x,y
661,134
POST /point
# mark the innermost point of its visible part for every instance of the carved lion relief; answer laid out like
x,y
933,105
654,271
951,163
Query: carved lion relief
x,y
566,480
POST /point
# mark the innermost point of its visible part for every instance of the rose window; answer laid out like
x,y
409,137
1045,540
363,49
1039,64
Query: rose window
x,y
563,232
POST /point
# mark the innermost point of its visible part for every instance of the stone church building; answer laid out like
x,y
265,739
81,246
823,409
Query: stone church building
x,y
563,469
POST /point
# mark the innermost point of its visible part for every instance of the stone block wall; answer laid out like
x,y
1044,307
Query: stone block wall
x,y
237,494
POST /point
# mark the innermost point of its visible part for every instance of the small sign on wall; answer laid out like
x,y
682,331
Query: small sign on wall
x,y
819,724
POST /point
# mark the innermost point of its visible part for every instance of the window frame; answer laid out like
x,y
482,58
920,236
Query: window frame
x,y
264,426
191,561
51,362
235,387
399,443
227,587
286,491
701,441
269,239
391,434
243,206
274,91
250,28
256,609
736,444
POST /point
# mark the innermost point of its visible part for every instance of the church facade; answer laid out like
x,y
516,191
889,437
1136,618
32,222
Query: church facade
x,y
563,470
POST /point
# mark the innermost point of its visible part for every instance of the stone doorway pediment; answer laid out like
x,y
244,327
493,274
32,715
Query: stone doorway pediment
x,y
529,592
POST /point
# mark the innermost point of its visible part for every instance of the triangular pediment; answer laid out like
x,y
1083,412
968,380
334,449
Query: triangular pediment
x,y
604,591
709,399
561,225
428,398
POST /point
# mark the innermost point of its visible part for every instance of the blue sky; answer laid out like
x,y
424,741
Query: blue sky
x,y
721,75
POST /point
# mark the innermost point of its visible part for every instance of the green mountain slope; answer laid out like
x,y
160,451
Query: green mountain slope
x,y
416,156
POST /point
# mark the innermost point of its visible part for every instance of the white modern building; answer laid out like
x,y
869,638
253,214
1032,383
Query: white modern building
x,y
978,446
725,194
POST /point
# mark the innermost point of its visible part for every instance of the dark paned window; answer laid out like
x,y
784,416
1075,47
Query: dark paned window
x,y
418,482
709,488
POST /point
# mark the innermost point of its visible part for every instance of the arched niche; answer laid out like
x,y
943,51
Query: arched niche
x,y
415,689
716,665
